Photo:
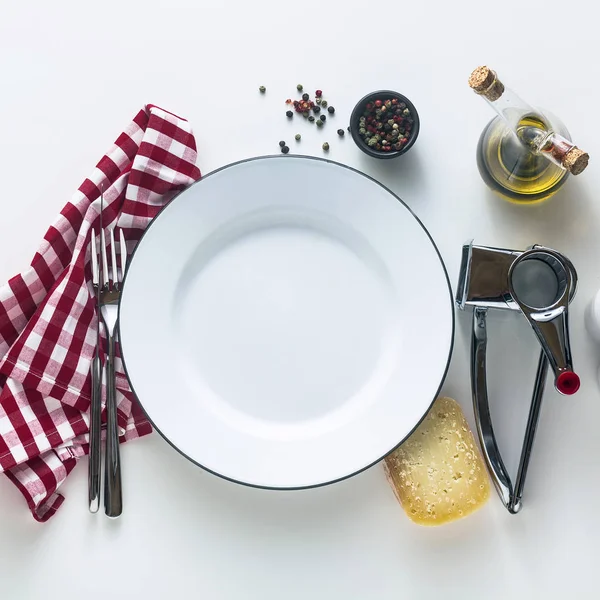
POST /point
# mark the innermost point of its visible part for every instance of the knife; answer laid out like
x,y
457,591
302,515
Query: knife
x,y
96,369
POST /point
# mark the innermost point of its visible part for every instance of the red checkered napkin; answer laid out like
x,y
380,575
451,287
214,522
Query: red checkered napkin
x,y
47,314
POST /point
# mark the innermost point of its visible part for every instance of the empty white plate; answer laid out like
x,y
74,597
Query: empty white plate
x,y
286,322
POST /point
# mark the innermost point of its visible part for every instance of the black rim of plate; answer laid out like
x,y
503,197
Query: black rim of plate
x,y
400,442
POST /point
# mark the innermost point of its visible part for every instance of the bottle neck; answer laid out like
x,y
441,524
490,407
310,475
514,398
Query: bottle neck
x,y
513,110
553,146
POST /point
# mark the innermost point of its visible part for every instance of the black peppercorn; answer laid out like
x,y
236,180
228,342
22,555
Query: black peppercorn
x,y
289,114
330,109
340,132
305,97
316,109
311,119
323,117
281,143
285,149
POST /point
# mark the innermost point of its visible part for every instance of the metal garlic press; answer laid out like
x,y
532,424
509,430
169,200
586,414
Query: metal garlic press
x,y
539,283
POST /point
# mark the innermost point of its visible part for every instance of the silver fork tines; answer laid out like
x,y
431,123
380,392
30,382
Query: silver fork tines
x,y
109,300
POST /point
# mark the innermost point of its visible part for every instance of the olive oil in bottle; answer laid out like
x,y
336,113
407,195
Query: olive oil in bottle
x,y
512,170
523,154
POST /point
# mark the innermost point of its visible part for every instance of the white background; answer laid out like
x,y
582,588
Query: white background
x,y
72,76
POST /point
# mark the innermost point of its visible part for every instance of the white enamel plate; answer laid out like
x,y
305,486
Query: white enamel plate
x,y
286,322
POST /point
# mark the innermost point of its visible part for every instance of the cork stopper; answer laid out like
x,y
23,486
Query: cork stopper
x,y
576,160
483,81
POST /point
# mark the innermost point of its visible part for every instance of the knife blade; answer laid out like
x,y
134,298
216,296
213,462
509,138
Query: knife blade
x,y
94,468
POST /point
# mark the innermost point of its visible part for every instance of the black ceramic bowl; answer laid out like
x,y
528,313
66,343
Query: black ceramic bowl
x,y
360,108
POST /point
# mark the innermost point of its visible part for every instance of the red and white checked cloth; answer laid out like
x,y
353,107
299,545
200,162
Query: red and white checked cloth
x,y
47,314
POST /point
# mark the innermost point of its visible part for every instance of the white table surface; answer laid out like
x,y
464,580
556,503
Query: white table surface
x,y
72,76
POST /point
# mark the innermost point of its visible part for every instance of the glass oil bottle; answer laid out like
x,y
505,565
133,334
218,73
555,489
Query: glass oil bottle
x,y
523,154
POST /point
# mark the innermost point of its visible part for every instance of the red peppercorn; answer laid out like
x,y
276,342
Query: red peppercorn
x,y
369,106
378,103
288,101
318,93
386,148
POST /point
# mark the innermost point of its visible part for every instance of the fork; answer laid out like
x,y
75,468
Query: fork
x,y
110,293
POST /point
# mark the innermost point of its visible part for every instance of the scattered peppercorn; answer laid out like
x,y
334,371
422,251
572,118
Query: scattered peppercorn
x,y
331,110
319,100
316,109
298,137
305,97
288,101
285,149
289,114
319,123
340,132
323,117
281,144
326,147
299,87
262,89
318,93
324,103
311,119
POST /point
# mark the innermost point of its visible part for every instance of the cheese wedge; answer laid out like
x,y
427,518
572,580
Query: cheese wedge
x,y
438,474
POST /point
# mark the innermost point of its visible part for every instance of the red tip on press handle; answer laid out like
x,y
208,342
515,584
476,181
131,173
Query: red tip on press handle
x,y
567,383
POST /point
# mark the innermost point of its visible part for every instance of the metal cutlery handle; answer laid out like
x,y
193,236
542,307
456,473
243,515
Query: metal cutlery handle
x,y
95,435
481,407
113,499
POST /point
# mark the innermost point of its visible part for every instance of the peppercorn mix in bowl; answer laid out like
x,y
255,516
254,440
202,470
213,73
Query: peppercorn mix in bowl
x,y
384,124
